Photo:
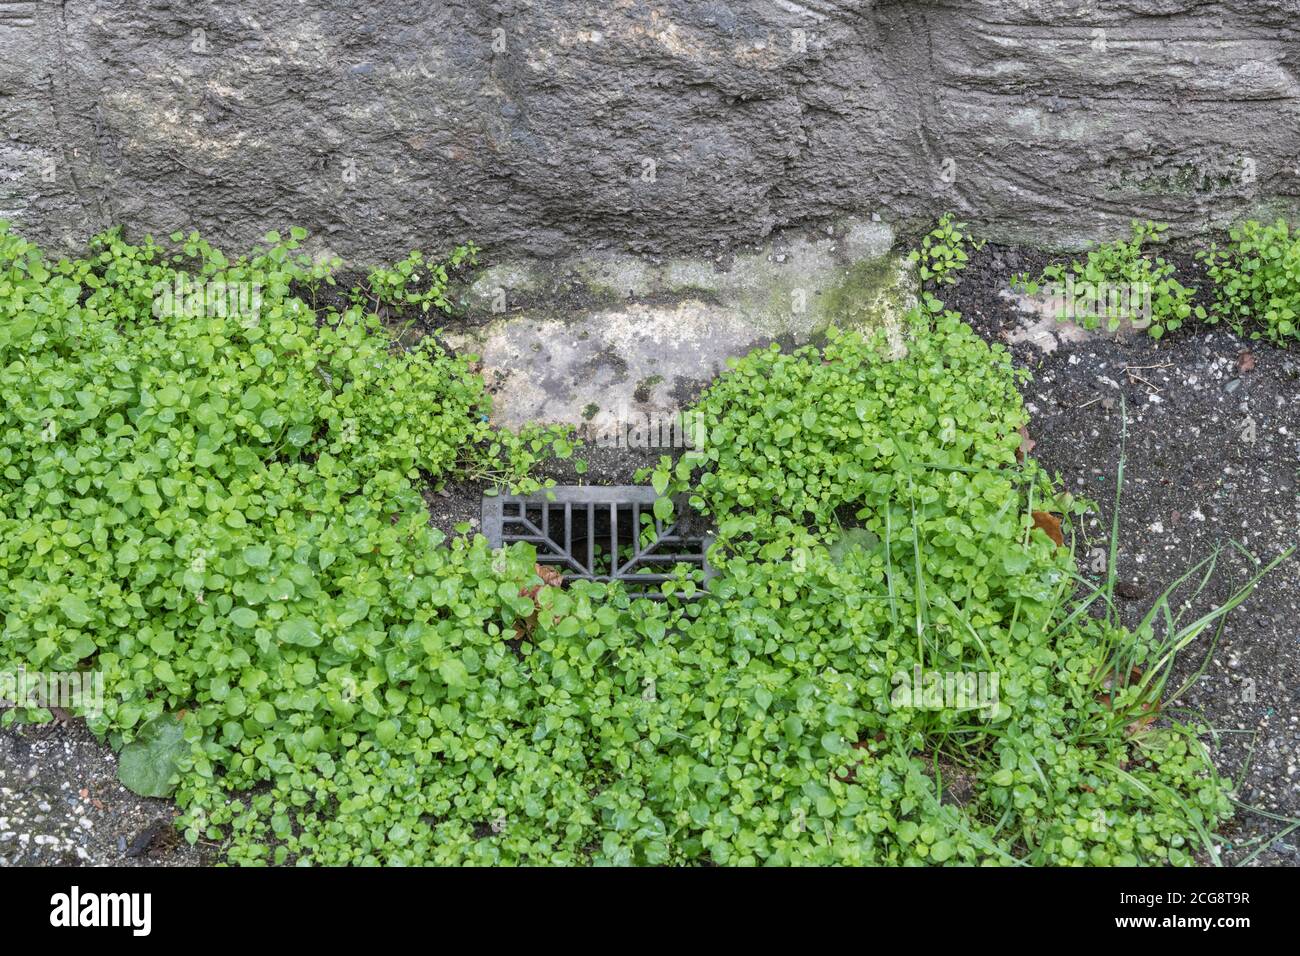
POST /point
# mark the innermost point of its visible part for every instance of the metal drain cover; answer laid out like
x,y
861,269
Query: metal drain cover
x,y
596,533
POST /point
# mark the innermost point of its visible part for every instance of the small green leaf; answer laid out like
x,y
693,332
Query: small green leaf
x,y
75,609
386,731
243,617
299,631
148,763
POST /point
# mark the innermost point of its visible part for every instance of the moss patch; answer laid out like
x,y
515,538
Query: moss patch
x,y
871,293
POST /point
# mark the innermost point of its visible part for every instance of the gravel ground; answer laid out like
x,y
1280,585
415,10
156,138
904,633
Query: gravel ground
x,y
1213,444
1213,448
61,805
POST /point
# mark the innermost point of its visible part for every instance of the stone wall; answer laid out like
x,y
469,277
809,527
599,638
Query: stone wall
x,y
540,128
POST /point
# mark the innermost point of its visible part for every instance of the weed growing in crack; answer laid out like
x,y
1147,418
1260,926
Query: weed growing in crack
x,y
415,281
944,251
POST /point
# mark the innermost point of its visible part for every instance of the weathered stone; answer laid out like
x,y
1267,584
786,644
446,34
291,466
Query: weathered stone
x,y
598,340
676,128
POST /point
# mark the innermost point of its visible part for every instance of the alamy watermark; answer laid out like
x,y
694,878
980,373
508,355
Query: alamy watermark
x,y
921,689
621,429
1079,301
39,690
74,909
216,298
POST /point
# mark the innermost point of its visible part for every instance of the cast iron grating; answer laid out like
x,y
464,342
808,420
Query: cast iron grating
x,y
591,533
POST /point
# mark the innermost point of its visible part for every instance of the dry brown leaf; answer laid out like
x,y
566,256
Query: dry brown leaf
x,y
1149,713
1246,361
551,577
1129,590
1026,444
851,774
1050,525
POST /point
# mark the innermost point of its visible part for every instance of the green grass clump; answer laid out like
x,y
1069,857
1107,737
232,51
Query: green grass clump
x,y
1257,281
218,509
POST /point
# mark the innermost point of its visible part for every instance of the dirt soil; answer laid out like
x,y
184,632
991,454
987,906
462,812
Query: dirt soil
x,y
1213,444
61,805
1213,450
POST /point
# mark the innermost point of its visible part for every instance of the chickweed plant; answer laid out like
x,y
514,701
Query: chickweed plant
x,y
872,543
1119,281
1257,281
944,251
221,513
415,281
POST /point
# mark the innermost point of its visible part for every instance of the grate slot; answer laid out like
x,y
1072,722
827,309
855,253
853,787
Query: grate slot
x,y
586,531
613,539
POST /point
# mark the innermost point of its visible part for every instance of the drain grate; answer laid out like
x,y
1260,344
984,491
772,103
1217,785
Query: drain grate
x,y
597,534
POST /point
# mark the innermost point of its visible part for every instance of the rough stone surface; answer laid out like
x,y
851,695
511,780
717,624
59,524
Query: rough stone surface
x,y
547,127
613,341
